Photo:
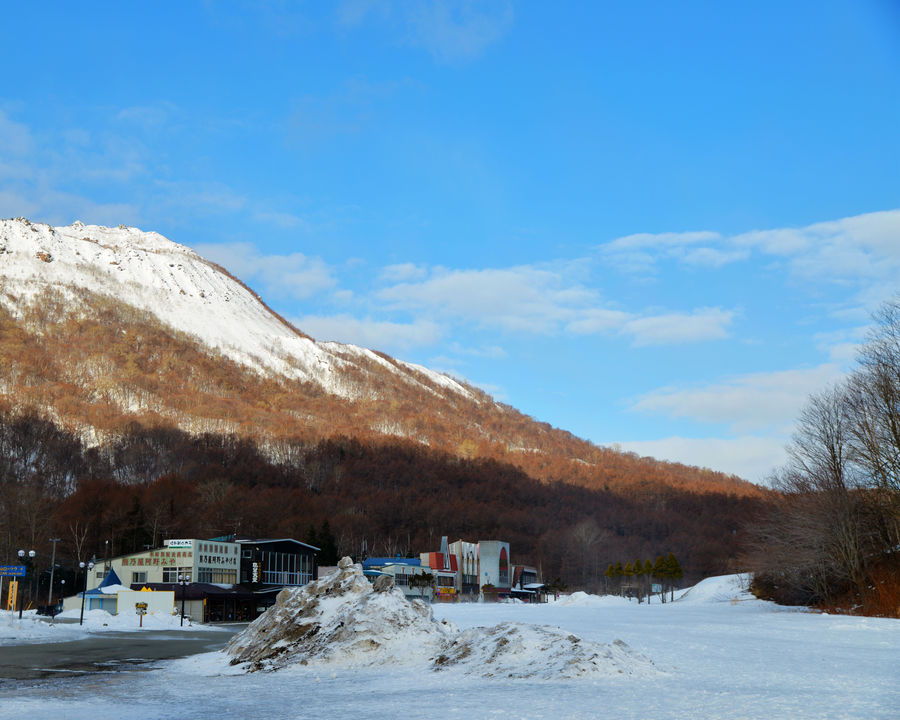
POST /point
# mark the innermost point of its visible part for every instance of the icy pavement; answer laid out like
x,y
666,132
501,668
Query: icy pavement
x,y
721,655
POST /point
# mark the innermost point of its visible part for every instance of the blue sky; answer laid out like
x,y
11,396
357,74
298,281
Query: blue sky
x,y
659,224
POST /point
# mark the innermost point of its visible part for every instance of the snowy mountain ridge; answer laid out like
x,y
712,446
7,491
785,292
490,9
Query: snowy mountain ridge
x,y
188,293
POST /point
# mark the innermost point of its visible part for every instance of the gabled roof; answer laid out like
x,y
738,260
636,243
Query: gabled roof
x,y
110,579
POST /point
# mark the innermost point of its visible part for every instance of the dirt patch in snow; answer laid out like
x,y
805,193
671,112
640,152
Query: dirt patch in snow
x,y
343,619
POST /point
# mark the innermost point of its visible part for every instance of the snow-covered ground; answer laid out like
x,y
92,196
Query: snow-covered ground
x,y
33,628
718,653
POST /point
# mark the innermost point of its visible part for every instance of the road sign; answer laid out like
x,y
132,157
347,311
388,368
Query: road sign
x,y
14,570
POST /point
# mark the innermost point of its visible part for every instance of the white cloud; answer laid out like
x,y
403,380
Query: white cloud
x,y
745,403
370,333
451,30
295,275
598,320
661,240
454,31
282,219
522,298
861,250
751,457
15,138
403,272
674,328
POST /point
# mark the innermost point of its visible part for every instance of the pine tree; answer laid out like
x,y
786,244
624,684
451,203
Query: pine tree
x,y
648,577
619,571
610,575
660,572
637,569
674,572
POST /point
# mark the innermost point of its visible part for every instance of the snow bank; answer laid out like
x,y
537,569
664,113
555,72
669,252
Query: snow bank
x,y
340,618
519,650
719,589
343,620
583,599
33,628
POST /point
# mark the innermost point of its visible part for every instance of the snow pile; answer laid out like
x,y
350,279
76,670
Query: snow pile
x,y
519,650
342,619
65,627
719,589
583,599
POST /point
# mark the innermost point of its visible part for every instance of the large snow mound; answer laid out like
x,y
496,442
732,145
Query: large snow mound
x,y
579,598
719,589
519,650
339,618
342,619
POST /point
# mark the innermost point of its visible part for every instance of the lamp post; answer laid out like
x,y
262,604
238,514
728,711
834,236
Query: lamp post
x,y
184,580
85,569
31,554
52,568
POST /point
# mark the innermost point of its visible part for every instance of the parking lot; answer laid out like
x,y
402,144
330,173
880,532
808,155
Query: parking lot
x,y
112,651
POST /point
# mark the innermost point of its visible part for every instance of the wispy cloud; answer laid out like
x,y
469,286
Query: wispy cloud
x,y
757,401
371,333
452,31
295,275
675,328
861,249
15,138
752,457
544,300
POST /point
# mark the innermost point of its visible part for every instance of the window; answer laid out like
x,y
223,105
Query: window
x,y
217,576
170,574
285,568
138,577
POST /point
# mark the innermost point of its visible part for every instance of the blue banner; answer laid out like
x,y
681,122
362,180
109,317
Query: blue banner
x,y
15,570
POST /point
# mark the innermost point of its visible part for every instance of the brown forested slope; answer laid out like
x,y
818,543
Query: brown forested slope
x,y
393,495
98,365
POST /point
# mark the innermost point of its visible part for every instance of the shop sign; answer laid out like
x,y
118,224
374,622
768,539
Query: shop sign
x,y
180,543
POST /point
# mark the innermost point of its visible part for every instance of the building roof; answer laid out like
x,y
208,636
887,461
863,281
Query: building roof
x,y
377,562
263,541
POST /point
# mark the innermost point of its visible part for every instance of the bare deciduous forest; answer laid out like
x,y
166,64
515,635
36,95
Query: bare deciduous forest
x,y
833,535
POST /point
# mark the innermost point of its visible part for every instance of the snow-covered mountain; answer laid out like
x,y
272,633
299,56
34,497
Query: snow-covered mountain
x,y
102,328
188,293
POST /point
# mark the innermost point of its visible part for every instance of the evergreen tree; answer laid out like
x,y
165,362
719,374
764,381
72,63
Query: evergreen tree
x,y
328,554
648,577
637,569
619,571
674,572
610,575
660,572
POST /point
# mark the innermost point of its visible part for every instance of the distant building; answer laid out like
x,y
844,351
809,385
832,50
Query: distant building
x,y
225,578
526,584
466,554
445,568
493,569
403,571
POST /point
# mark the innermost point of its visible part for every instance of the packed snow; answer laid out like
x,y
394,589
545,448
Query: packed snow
x,y
185,291
718,653
33,628
343,620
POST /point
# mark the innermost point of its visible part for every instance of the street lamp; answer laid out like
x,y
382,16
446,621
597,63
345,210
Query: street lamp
x,y
184,580
21,554
89,566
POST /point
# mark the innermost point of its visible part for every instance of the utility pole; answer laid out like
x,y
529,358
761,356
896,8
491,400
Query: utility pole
x,y
52,568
